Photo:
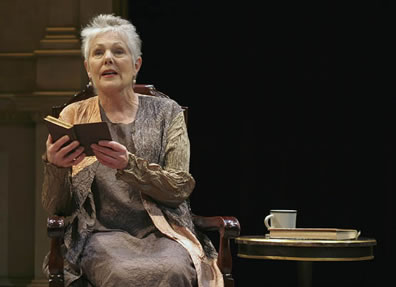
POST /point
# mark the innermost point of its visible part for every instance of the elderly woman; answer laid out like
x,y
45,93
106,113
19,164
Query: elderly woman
x,y
130,221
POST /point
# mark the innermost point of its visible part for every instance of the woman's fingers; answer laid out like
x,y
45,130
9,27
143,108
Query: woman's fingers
x,y
110,148
105,159
60,142
74,157
111,154
115,146
62,154
69,149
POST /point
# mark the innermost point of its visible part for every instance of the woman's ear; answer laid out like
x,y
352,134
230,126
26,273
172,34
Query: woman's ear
x,y
138,64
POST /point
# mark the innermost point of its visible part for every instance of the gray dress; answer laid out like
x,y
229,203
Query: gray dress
x,y
125,248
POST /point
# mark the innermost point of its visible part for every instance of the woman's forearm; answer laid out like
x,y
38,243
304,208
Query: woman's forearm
x,y
56,192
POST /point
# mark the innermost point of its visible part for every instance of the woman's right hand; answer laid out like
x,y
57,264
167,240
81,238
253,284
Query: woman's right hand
x,y
64,156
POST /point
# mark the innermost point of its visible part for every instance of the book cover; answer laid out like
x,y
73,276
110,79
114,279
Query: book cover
x,y
314,233
86,134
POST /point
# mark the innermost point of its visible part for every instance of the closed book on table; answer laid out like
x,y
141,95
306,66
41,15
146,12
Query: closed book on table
x,y
314,233
86,134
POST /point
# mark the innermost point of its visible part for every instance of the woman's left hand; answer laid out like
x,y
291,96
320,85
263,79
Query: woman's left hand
x,y
111,154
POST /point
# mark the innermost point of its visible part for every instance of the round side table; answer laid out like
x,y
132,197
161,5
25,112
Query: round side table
x,y
305,251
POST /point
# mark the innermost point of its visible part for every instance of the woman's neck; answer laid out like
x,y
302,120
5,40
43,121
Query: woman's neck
x,y
120,107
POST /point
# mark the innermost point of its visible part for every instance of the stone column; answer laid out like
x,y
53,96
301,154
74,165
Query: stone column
x,y
41,240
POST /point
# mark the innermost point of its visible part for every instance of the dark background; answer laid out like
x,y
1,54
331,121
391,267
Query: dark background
x,y
291,106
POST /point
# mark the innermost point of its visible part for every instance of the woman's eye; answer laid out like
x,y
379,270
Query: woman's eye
x,y
98,52
119,51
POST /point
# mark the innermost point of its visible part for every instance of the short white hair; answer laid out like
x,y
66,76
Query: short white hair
x,y
107,22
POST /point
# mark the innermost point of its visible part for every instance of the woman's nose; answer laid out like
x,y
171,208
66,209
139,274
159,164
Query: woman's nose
x,y
108,57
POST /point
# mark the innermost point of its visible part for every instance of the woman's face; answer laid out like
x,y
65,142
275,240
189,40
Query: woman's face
x,y
110,64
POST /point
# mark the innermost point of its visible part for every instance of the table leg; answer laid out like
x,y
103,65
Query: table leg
x,y
304,269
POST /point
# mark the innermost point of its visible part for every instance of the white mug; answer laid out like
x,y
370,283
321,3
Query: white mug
x,y
281,218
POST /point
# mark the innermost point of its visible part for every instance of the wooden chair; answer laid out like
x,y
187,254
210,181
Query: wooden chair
x,y
227,226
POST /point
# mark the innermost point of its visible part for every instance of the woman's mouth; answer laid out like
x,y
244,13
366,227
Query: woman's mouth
x,y
109,73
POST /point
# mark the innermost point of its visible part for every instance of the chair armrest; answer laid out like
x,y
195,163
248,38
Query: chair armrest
x,y
228,228
55,226
227,225
55,231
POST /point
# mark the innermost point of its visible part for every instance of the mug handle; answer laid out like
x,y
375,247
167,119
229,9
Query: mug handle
x,y
266,220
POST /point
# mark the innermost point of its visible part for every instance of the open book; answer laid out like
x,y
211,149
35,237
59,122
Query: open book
x,y
314,233
86,134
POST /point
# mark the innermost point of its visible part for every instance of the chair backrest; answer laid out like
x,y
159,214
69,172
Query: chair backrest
x,y
89,92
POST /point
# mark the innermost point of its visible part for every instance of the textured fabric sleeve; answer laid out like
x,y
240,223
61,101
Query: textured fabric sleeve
x,y
56,192
172,183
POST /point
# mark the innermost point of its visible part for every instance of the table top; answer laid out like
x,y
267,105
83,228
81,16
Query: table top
x,y
262,247
265,240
